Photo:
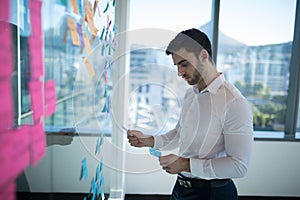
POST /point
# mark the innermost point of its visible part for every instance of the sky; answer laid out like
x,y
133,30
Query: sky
x,y
253,22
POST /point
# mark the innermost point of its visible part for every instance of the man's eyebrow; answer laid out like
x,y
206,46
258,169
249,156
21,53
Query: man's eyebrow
x,y
180,62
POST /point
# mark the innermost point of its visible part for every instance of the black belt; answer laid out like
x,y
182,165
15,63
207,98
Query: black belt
x,y
201,183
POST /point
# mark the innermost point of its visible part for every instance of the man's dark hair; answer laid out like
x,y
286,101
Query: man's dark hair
x,y
193,40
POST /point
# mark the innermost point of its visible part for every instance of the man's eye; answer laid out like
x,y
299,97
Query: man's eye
x,y
185,64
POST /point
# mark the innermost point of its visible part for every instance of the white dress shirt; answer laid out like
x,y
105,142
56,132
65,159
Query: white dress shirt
x,y
215,131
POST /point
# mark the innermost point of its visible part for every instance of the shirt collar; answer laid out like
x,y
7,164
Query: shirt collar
x,y
213,86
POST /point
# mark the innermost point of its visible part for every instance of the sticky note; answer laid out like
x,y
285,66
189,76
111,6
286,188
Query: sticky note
x,y
75,6
87,43
98,145
84,170
37,143
14,154
106,8
36,58
73,30
35,90
90,18
6,110
6,50
154,152
96,7
4,10
80,34
35,41
89,66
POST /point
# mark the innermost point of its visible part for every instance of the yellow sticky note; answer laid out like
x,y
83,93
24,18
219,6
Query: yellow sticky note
x,y
75,6
90,18
73,30
87,43
89,66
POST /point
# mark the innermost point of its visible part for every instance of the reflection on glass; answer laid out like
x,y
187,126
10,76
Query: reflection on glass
x,y
255,56
79,96
156,92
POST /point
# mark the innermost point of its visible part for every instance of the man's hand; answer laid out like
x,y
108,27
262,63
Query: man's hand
x,y
138,139
174,164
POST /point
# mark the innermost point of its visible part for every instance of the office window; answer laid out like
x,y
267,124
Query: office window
x,y
156,91
254,51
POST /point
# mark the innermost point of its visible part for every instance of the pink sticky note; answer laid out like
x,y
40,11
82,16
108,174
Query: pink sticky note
x,y
5,157
8,191
14,154
6,108
36,58
35,40
6,50
35,17
36,96
50,98
21,155
4,10
37,143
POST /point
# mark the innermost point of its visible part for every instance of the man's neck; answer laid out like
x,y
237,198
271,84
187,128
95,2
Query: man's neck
x,y
204,83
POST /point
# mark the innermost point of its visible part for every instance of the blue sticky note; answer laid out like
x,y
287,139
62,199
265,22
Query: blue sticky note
x,y
154,152
98,145
84,171
107,6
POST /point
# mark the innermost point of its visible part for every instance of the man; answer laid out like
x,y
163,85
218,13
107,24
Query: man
x,y
215,130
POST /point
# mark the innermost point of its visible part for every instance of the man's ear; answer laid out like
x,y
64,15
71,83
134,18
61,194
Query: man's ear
x,y
203,56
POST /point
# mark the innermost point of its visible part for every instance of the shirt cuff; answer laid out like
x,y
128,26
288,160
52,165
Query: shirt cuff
x,y
158,142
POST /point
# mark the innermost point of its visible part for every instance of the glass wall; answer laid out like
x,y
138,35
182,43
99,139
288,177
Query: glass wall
x,y
254,53
78,45
155,90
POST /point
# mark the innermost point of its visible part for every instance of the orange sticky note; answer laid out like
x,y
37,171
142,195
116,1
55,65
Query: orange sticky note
x,y
87,43
73,30
75,6
89,66
90,18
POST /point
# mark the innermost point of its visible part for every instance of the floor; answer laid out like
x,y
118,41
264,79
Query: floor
x,y
80,196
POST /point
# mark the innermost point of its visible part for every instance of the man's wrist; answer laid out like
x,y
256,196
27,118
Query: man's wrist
x,y
150,141
186,165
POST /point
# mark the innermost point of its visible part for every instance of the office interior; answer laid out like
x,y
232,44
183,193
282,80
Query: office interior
x,y
76,74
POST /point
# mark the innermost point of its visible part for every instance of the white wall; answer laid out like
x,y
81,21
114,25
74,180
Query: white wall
x,y
59,170
274,170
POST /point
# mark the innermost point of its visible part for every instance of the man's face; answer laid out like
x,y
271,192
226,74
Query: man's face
x,y
188,65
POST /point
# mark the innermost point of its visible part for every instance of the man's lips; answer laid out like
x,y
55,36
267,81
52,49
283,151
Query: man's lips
x,y
185,77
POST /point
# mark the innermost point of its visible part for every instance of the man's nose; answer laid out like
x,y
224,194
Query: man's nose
x,y
180,71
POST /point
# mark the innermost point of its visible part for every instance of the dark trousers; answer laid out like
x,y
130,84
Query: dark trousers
x,y
227,192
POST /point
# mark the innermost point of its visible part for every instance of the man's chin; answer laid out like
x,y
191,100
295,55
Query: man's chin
x,y
191,82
